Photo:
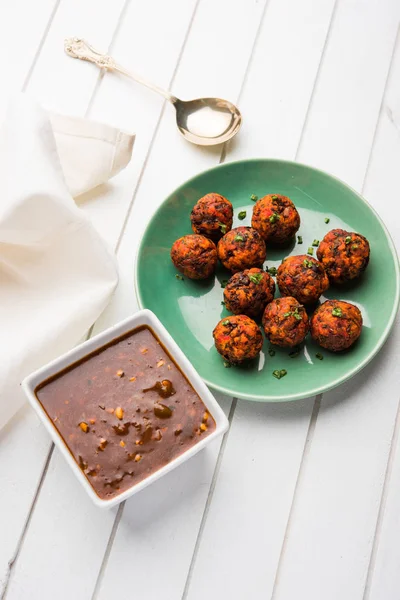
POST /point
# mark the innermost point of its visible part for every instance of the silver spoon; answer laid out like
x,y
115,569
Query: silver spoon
x,y
205,121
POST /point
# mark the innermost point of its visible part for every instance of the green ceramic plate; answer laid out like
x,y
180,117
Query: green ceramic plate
x,y
190,309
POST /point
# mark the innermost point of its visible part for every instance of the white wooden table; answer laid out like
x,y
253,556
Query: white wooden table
x,y
300,500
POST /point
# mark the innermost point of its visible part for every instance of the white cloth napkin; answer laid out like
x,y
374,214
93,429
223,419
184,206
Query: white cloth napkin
x,y
56,274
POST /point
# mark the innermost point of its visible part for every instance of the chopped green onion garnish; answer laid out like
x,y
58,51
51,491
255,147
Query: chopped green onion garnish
x,y
319,356
271,351
299,239
239,238
227,365
223,227
347,239
225,322
179,277
315,243
310,251
242,215
308,263
255,277
254,198
294,313
272,271
327,220
274,197
337,312
224,282
274,218
279,374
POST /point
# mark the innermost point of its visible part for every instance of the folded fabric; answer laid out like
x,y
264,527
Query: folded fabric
x,y
90,153
56,273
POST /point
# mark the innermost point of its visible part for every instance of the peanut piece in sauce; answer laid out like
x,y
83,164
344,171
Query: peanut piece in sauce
x,y
119,413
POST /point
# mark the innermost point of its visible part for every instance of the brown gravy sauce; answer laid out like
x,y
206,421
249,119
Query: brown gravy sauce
x,y
125,411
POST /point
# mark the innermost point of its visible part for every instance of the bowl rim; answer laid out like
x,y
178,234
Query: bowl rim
x,y
339,380
141,317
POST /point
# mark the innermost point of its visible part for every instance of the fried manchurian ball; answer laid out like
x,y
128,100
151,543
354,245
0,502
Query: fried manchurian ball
x,y
195,256
276,218
336,325
285,322
302,277
241,248
238,338
212,216
248,292
344,254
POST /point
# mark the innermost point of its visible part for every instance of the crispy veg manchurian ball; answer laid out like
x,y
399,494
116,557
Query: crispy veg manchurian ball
x,y
238,338
248,292
302,277
336,325
276,218
241,248
195,256
344,254
285,322
212,216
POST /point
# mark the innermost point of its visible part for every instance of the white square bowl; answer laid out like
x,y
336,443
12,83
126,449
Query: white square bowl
x,y
143,317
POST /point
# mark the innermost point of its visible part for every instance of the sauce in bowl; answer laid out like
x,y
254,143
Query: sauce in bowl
x,y
124,411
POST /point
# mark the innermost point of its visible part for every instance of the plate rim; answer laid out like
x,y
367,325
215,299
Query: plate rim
x,y
338,381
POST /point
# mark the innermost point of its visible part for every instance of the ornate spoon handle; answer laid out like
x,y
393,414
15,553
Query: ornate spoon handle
x,y
79,48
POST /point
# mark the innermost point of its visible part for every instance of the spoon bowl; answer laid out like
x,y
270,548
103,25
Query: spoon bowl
x,y
207,121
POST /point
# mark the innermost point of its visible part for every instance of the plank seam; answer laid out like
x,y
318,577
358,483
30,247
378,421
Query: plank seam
x,y
109,51
13,560
382,506
225,146
41,44
381,109
321,61
299,480
107,552
396,428
155,132
208,502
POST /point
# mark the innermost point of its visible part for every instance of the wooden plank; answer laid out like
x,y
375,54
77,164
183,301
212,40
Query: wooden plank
x,y
385,573
24,442
20,41
134,544
329,540
381,187
281,79
24,446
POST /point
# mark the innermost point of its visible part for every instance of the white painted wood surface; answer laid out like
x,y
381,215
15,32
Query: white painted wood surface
x,y
299,500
